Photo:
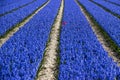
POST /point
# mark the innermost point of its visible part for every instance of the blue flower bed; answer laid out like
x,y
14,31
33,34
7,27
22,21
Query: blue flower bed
x,y
13,6
21,54
8,21
115,1
81,55
109,6
7,2
108,22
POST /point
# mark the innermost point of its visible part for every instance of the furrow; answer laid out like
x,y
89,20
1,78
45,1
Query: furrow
x,y
48,69
106,9
16,8
14,29
108,44
112,3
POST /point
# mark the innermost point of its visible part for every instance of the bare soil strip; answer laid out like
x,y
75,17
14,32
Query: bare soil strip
x,y
16,8
106,9
108,44
14,29
48,69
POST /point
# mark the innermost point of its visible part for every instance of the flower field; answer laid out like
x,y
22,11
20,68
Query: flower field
x,y
60,40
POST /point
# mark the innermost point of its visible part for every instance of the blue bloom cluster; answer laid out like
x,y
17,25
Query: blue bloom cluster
x,y
109,6
21,54
13,5
81,55
108,22
9,20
